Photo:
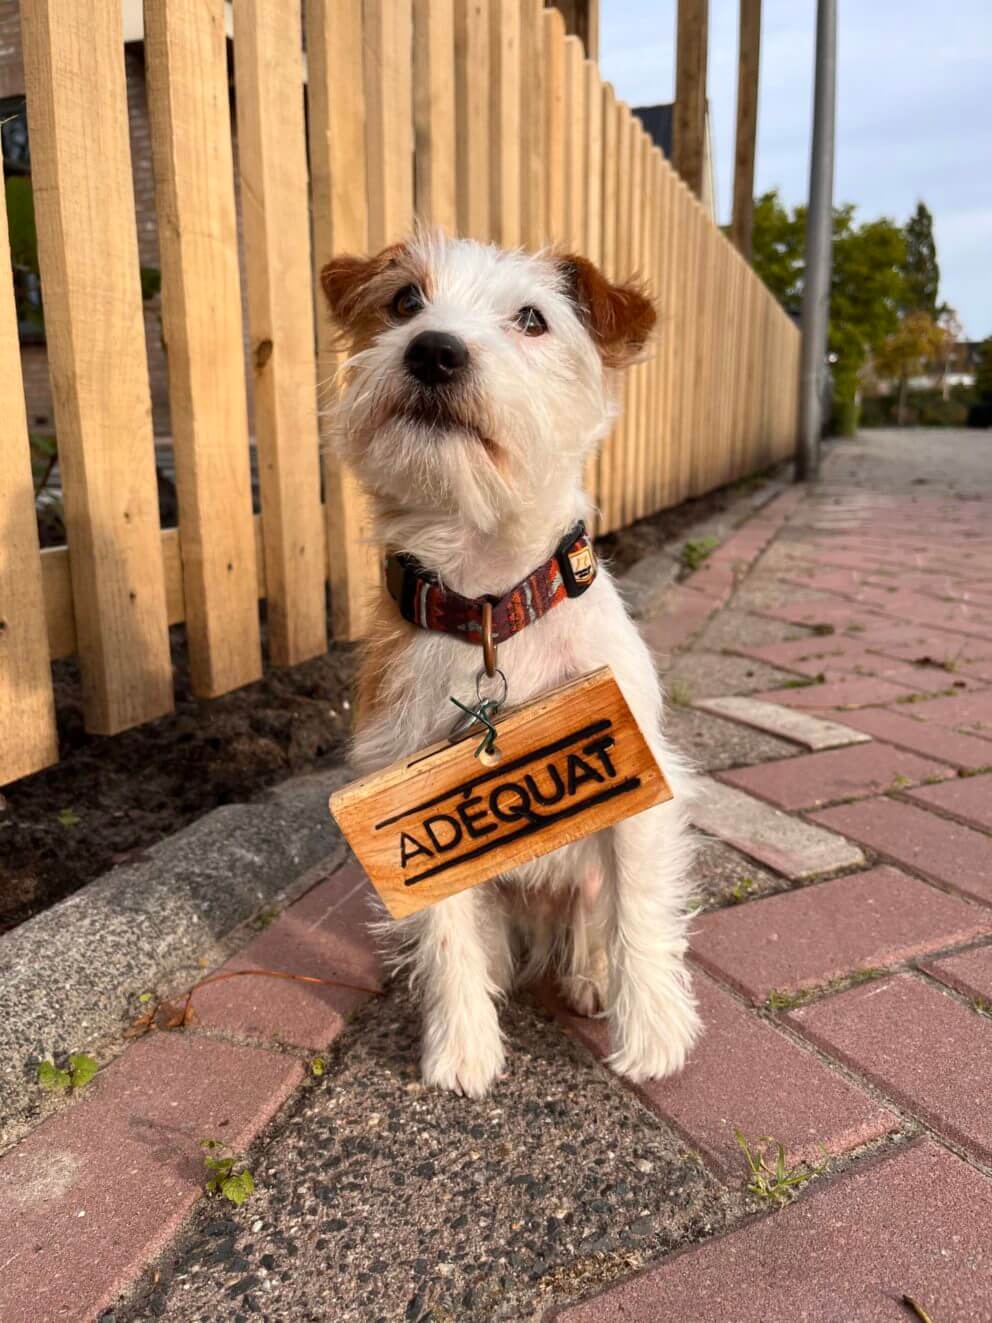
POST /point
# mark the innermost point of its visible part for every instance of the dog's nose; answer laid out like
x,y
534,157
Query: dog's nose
x,y
435,358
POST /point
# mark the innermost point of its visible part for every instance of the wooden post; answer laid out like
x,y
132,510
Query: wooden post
x,y
88,251
505,69
336,90
689,128
747,124
202,319
582,21
533,124
389,119
554,136
275,203
473,118
434,112
27,709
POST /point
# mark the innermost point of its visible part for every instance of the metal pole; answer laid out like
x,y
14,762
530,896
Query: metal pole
x,y
819,224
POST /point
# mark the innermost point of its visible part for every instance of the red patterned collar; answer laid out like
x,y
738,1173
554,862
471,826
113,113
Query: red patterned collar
x,y
427,603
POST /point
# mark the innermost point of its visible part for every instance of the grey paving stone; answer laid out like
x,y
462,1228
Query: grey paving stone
x,y
723,876
698,675
714,744
777,839
377,1199
731,628
814,732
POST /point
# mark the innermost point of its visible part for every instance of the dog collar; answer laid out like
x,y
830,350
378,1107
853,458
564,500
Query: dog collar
x,y
426,602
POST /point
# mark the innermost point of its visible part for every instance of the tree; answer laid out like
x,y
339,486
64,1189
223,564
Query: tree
x,y
922,274
903,354
867,282
983,377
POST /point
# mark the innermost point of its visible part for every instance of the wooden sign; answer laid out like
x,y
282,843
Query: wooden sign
x,y
571,762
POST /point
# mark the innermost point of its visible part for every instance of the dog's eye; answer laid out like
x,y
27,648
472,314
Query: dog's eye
x,y
407,302
530,321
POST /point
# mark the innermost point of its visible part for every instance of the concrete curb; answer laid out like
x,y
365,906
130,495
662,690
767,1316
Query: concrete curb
x,y
66,975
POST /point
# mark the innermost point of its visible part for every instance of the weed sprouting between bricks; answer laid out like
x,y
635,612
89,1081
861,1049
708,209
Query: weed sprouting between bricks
x,y
775,1182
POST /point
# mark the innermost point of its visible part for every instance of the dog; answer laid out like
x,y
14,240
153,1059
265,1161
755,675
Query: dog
x,y
478,386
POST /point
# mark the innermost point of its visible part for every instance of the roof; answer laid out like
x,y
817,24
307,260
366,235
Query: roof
x,y
658,122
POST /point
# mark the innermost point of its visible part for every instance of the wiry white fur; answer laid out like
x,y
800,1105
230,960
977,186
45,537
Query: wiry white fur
x,y
483,524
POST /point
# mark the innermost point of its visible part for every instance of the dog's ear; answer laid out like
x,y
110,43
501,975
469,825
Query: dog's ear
x,y
620,318
343,279
346,281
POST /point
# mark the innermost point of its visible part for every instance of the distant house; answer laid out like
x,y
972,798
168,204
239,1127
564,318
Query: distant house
x,y
658,121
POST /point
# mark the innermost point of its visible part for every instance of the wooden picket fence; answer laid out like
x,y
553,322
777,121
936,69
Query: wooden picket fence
x,y
480,116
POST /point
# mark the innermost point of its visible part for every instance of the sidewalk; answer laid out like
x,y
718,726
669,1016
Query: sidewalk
x,y
830,667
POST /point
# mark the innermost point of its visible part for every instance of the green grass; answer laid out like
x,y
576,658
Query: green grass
x,y
679,692
774,1181
780,999
742,889
696,550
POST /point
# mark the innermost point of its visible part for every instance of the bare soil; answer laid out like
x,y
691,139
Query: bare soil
x,y
110,798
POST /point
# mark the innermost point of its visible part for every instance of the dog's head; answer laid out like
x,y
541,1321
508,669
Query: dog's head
x,y
479,379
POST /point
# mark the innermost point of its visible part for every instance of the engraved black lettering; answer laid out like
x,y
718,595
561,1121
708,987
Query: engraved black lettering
x,y
598,748
410,848
557,786
438,842
520,813
579,772
471,820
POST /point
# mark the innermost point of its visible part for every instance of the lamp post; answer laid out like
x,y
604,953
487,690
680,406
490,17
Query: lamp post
x,y
819,235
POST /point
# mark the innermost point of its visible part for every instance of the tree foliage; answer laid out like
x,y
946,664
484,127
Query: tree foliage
x,y
867,287
922,274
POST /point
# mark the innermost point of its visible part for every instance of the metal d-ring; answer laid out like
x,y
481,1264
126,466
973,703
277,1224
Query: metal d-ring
x,y
488,644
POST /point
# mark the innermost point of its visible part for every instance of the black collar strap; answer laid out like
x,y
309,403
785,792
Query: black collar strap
x,y
425,602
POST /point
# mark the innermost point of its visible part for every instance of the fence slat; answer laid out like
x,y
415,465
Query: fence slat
x,y
533,124
608,261
336,98
473,118
434,112
575,146
88,253
276,213
27,708
202,320
504,45
389,119
554,104
593,238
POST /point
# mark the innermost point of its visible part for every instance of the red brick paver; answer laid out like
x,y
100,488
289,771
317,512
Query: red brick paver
x,y
897,727
822,778
915,1223
967,798
101,1187
947,852
920,1046
324,935
970,973
802,939
730,1082
967,712
847,692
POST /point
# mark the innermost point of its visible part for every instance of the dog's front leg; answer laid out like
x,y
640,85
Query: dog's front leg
x,y
460,963
652,1014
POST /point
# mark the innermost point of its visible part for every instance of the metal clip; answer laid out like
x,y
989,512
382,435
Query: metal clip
x,y
488,646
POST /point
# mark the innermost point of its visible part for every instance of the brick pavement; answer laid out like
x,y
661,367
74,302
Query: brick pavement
x,y
845,1014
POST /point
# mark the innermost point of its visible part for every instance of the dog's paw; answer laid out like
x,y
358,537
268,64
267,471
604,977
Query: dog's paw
x,y
653,1036
466,1067
585,992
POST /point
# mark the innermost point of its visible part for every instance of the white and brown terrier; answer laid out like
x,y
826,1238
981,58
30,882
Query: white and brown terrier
x,y
478,387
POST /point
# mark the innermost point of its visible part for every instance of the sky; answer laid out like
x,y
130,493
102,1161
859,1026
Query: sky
x,y
914,113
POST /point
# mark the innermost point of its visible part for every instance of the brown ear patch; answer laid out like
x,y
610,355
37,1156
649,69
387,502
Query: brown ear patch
x,y
620,318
